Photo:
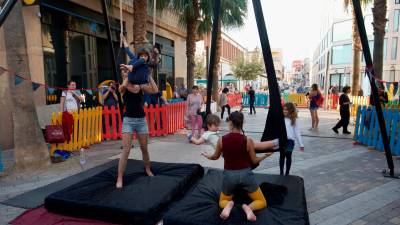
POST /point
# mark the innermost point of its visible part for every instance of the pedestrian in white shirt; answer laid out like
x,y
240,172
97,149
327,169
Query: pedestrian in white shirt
x,y
70,99
293,132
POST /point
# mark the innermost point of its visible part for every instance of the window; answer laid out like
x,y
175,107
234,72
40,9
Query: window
x,y
397,1
396,20
342,31
341,54
394,48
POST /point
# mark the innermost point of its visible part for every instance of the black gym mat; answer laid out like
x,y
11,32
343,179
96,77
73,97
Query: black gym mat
x,y
35,198
142,200
200,205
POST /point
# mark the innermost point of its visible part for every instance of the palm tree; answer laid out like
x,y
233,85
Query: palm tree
x,y
30,150
189,11
357,48
233,13
139,23
379,24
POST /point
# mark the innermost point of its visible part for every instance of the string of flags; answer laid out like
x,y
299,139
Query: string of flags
x,y
390,86
18,79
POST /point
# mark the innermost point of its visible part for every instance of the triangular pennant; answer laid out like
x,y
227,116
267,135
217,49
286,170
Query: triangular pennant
x,y
90,92
2,70
51,90
395,88
17,80
35,86
387,85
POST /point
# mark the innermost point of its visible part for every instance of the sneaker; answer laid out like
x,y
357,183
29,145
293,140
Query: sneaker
x,y
346,132
311,128
276,144
335,130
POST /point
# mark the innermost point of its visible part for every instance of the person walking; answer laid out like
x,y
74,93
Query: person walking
x,y
344,102
223,103
252,99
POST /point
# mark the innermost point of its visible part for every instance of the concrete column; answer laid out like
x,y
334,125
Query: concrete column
x,y
33,30
6,130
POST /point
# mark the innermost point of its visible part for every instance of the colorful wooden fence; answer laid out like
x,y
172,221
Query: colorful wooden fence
x,y
367,129
161,120
87,129
234,99
261,100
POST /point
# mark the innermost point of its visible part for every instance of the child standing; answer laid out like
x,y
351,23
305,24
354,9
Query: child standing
x,y
293,132
238,153
195,102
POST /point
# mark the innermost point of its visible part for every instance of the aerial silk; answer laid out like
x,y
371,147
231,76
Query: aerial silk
x,y
275,124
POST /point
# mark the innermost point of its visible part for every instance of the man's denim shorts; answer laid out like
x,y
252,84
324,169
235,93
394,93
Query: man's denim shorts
x,y
130,125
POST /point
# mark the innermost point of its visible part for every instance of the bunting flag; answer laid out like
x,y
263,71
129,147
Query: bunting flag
x,y
2,70
51,90
90,92
395,88
17,80
35,86
388,85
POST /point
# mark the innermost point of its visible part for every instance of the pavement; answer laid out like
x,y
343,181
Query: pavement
x,y
343,182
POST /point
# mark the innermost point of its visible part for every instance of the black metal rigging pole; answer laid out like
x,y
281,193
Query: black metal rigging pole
x,y
374,91
217,9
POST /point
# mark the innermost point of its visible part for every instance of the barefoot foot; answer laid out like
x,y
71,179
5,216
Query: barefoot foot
x,y
249,213
227,210
118,184
149,173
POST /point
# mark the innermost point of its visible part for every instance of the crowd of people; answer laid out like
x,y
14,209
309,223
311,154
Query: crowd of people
x,y
139,90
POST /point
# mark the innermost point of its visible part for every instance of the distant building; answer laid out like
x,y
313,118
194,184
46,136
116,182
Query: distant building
x,y
332,58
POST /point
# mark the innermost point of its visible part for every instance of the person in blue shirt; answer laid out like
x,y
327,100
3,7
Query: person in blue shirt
x,y
140,64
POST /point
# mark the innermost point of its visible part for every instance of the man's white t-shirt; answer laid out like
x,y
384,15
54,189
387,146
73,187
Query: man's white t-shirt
x,y
70,102
211,137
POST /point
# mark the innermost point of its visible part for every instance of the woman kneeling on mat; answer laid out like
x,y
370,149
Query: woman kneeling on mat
x,y
238,153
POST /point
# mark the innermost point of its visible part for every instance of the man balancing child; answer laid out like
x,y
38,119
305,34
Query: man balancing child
x,y
238,151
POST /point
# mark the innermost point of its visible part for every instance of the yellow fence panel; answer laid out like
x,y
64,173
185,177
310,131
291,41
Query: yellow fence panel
x,y
87,129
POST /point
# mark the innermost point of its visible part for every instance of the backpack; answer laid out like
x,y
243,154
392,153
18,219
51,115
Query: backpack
x,y
320,100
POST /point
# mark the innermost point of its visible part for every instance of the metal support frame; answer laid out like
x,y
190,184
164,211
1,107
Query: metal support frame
x,y
374,91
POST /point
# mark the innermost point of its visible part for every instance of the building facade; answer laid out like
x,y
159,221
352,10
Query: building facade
x,y
67,41
332,58
231,51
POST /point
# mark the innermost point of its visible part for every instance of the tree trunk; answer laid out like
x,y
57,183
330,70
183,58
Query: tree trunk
x,y
379,24
356,58
218,52
30,150
191,29
140,23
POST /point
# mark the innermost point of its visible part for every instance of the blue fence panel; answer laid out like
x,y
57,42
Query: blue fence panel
x,y
174,100
367,129
261,100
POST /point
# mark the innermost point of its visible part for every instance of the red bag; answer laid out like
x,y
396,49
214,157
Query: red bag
x,y
320,101
54,134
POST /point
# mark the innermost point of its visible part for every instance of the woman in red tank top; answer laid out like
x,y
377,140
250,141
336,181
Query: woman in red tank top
x,y
238,153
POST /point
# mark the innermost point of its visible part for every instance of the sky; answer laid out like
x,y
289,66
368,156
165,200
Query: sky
x,y
292,25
